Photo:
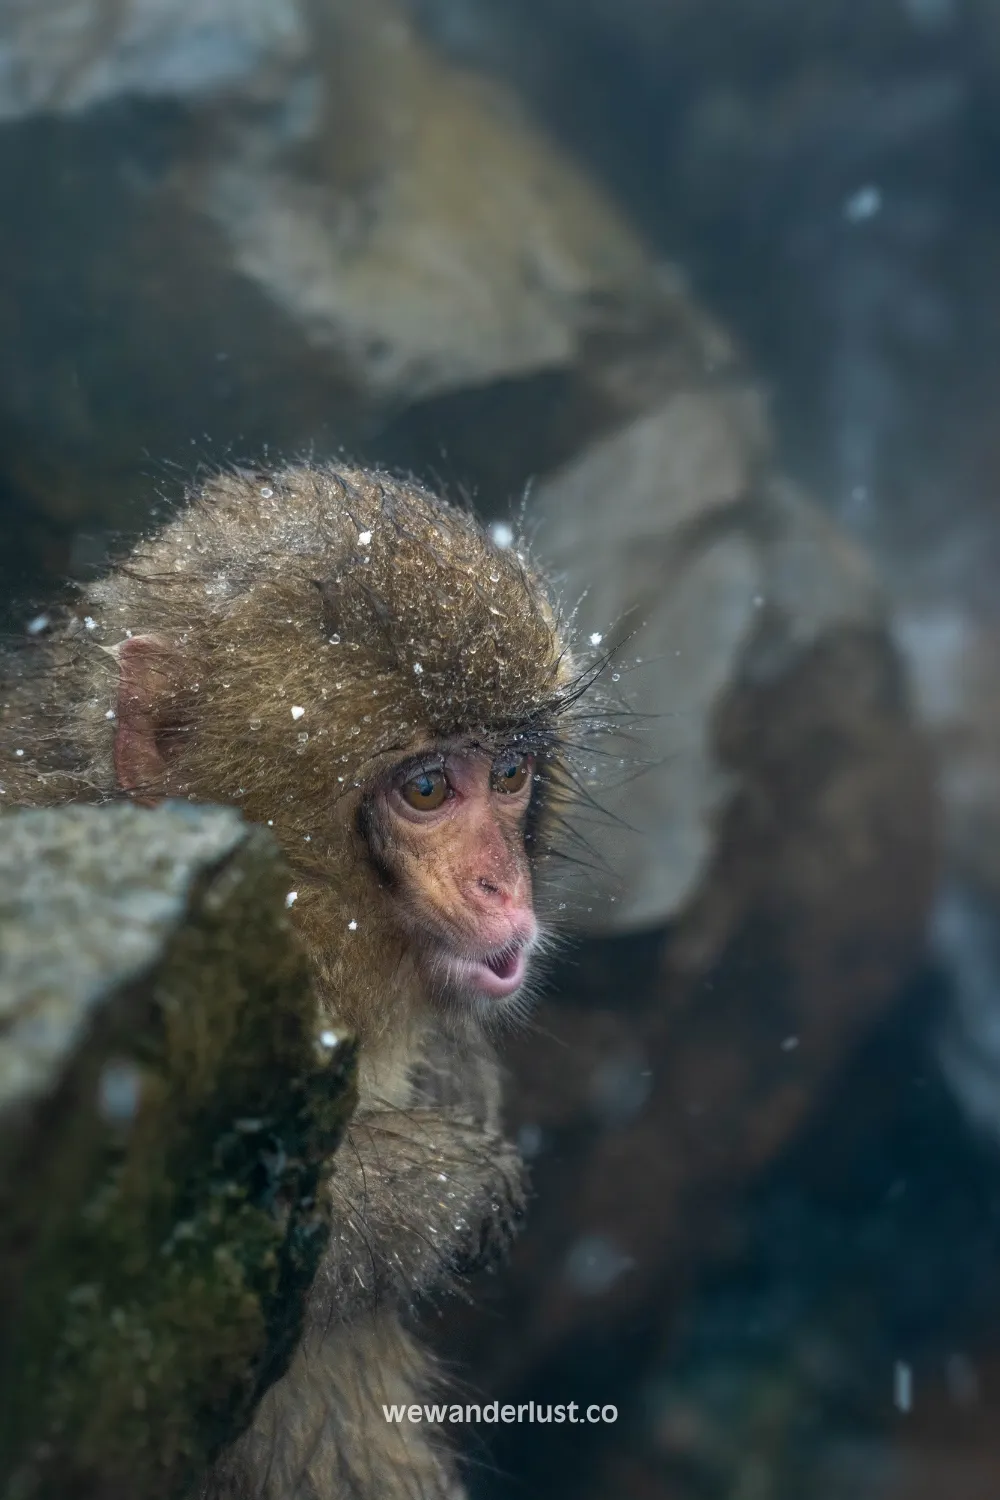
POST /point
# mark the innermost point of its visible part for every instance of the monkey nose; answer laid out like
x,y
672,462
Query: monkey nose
x,y
506,905
498,895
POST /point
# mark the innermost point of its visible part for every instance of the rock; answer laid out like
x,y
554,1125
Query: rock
x,y
714,579
165,1109
70,55
270,264
418,228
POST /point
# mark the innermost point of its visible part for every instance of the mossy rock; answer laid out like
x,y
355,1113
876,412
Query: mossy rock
x,y
167,1101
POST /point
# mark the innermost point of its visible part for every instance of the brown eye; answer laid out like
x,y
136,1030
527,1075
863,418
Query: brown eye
x,y
512,775
425,791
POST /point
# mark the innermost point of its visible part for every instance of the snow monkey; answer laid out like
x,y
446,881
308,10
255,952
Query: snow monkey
x,y
360,666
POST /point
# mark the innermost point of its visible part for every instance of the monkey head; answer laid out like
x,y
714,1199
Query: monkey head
x,y
355,663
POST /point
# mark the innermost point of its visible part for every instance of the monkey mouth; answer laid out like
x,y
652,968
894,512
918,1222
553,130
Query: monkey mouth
x,y
497,974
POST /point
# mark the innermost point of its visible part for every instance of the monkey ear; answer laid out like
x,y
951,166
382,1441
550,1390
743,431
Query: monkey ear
x,y
147,683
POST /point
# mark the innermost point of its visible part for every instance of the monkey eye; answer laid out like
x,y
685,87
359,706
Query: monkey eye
x,y
426,790
511,773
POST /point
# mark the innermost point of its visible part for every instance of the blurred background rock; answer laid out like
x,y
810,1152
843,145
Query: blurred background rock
x,y
716,283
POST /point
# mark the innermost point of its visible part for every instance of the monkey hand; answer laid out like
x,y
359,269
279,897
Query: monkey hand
x,y
419,1197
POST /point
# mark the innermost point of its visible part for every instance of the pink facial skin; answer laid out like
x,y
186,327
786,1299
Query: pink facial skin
x,y
467,887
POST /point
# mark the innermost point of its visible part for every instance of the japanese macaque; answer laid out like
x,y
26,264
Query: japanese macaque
x,y
358,665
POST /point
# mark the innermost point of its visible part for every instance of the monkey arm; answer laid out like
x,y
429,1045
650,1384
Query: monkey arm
x,y
418,1196
320,1433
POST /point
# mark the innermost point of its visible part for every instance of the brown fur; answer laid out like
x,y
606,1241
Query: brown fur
x,y
395,624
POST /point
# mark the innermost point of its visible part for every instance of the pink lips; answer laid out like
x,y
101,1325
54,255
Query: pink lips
x,y
498,974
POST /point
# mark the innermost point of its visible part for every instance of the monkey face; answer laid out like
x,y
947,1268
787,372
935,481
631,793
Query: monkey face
x,y
447,831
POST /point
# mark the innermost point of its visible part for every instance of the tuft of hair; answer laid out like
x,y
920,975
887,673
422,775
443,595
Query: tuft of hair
x,y
316,623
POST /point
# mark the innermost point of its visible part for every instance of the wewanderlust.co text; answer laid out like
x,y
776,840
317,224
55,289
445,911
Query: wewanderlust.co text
x,y
493,1411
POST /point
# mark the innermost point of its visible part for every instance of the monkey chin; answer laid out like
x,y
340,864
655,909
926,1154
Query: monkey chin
x,y
482,984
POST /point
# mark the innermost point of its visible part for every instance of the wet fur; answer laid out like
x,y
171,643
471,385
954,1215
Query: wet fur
x,y
393,621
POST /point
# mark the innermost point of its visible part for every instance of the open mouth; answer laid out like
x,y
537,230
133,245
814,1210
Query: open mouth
x,y
497,974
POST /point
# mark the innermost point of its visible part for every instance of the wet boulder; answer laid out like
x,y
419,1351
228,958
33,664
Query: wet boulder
x,y
291,227
166,1105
